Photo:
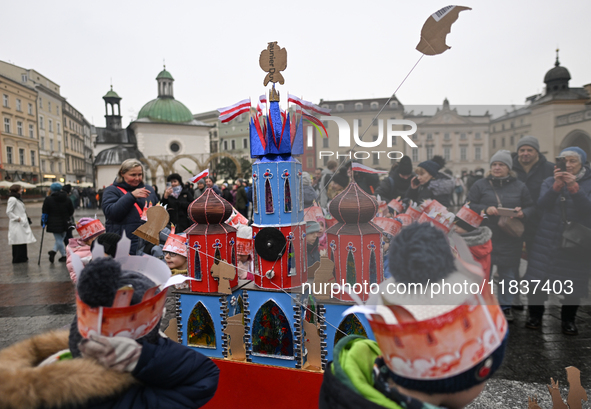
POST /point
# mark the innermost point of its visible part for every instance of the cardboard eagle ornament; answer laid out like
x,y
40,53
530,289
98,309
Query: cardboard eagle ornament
x,y
436,29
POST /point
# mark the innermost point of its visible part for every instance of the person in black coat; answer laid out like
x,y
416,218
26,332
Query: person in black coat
x,y
56,214
397,182
506,252
427,182
532,168
178,198
123,201
549,263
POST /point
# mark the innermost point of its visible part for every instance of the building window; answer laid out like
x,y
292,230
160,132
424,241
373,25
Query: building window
x,y
59,128
9,155
59,146
57,109
324,160
19,128
225,145
360,123
310,162
503,142
429,137
30,109
32,158
477,135
21,156
42,165
340,107
447,153
51,145
5,100
31,131
233,144
393,104
48,106
375,159
60,167
50,125
358,106
325,142
41,123
463,156
429,152
40,102
446,136
51,167
244,143
42,142
477,153
24,78
7,125
66,141
494,143
463,136
512,140
19,106
415,154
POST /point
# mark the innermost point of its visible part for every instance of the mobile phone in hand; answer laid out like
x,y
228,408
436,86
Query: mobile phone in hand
x,y
561,163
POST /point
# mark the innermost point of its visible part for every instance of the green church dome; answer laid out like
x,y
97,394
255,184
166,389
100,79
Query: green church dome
x,y
111,94
164,74
166,110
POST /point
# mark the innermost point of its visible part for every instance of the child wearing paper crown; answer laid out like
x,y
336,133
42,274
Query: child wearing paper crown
x,y
244,251
431,352
88,229
138,370
477,237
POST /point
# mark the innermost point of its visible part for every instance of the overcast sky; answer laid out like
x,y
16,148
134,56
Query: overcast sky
x,y
500,51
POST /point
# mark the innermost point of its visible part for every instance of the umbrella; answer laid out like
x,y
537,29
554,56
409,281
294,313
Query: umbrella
x,y
26,185
45,184
6,184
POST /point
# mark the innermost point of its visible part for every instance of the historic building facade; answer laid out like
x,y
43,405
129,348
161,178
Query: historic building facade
x,y
74,144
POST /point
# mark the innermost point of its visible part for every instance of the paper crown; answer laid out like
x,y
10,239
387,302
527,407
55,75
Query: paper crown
x,y
244,242
442,221
176,243
413,212
122,319
425,338
405,219
237,219
90,230
396,205
390,226
313,214
468,216
431,204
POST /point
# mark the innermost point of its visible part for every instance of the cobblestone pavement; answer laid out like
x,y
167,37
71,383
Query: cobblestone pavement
x,y
36,298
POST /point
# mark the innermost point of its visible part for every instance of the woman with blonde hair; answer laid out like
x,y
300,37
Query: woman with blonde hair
x,y
123,201
19,229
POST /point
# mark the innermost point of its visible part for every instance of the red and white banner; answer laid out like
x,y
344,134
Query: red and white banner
x,y
358,167
201,175
230,112
308,105
262,101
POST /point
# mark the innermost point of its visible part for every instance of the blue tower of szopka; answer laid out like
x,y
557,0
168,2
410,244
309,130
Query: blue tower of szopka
x,y
279,229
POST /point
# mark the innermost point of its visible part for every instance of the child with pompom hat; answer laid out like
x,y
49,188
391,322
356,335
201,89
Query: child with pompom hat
x,y
88,229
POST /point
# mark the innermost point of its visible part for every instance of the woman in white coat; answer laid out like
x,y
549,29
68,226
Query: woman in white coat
x,y
19,230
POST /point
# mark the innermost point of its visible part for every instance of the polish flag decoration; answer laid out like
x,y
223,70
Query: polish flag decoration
x,y
308,105
201,175
358,167
230,112
262,101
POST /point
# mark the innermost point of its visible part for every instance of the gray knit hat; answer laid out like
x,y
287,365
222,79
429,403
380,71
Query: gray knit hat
x,y
502,156
529,141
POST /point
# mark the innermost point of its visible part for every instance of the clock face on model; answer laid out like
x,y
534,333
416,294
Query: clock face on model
x,y
270,244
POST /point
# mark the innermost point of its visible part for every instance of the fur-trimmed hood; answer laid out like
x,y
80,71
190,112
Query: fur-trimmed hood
x,y
477,237
73,382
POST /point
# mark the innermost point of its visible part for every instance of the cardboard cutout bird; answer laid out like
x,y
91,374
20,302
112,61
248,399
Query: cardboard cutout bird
x,y
273,60
436,29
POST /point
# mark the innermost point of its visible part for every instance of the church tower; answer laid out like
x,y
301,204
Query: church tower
x,y
113,117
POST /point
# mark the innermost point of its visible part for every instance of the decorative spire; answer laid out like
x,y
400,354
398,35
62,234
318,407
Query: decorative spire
x,y
557,63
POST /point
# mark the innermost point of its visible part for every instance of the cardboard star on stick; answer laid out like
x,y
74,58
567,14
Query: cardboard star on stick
x,y
157,220
235,330
436,29
224,272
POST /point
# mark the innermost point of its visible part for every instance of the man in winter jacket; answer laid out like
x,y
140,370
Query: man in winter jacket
x,y
57,211
397,182
532,168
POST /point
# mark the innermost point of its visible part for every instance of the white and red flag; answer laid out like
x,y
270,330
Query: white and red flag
x,y
308,105
358,167
230,112
201,175
262,101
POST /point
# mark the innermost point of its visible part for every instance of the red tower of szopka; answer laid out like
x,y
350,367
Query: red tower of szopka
x,y
210,240
355,243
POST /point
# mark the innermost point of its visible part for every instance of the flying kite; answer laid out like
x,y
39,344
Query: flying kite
x,y
436,29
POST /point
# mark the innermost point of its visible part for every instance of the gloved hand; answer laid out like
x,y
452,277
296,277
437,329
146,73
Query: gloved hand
x,y
44,218
117,353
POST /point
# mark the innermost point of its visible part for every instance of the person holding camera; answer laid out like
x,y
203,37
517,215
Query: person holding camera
x,y
565,201
500,191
